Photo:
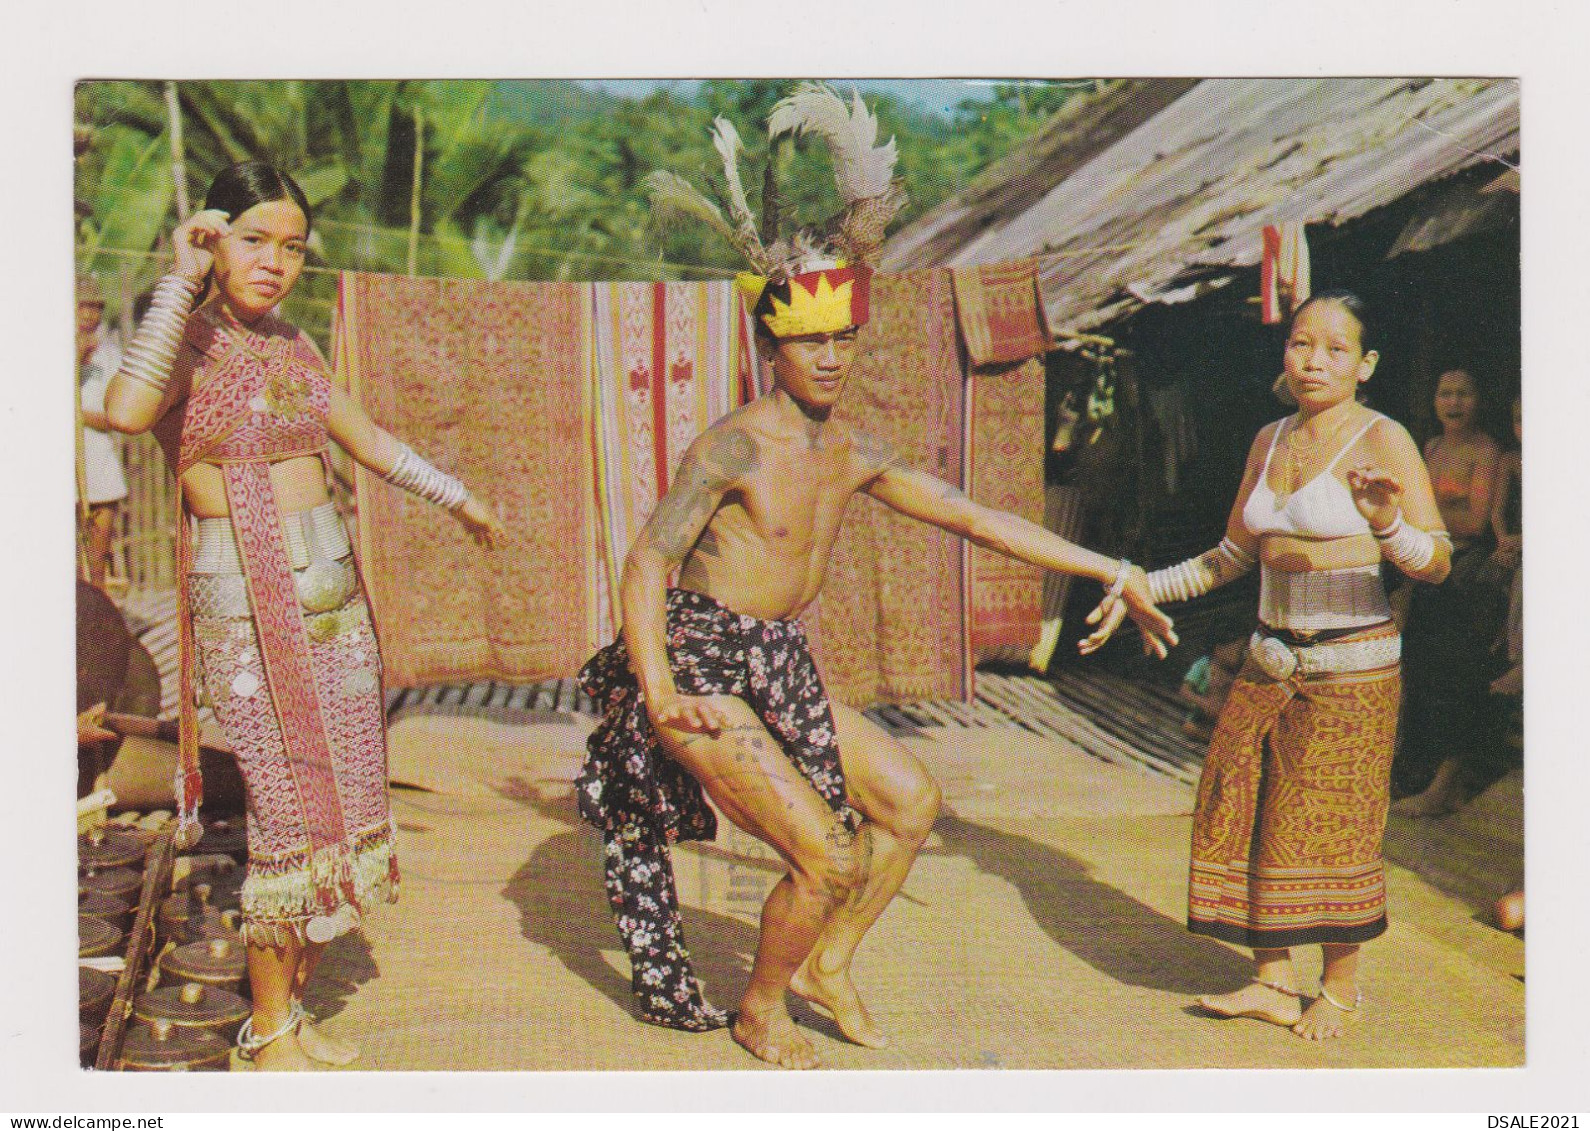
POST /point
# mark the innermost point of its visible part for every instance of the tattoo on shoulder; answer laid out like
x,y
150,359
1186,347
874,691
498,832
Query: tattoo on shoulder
x,y
876,453
709,468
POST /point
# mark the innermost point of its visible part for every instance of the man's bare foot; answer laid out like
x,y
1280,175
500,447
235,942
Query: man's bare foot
x,y
328,1050
1262,1000
1328,1016
836,993
773,1037
284,1054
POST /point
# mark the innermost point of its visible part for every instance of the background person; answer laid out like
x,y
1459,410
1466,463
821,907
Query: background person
x,y
1451,746
104,485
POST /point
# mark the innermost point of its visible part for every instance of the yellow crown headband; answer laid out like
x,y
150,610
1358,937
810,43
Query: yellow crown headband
x,y
814,302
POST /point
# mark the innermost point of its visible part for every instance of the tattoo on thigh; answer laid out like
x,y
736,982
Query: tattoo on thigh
x,y
850,861
863,889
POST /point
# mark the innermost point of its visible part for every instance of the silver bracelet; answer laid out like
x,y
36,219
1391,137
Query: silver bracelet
x,y
153,350
1405,545
417,477
1181,582
1241,560
1118,585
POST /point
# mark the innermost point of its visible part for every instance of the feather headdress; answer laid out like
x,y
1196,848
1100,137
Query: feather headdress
x,y
786,270
863,170
861,167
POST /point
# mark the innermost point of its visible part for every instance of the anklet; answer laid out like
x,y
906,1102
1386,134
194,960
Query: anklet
x,y
248,1045
1358,999
1278,987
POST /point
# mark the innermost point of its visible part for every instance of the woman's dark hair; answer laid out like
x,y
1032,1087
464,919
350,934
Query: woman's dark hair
x,y
237,188
1368,332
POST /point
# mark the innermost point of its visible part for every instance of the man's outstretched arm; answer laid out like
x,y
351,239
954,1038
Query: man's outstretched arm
x,y
717,459
922,496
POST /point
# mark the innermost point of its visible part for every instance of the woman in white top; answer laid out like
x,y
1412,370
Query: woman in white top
x,y
1286,843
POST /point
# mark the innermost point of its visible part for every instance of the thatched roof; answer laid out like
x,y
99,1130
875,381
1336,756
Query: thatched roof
x,y
1185,194
1083,127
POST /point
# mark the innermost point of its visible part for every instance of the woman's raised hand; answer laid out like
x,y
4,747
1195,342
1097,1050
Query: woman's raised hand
x,y
483,526
194,242
1376,493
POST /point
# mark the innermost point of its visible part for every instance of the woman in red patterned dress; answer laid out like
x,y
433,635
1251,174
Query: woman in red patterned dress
x,y
1286,842
276,631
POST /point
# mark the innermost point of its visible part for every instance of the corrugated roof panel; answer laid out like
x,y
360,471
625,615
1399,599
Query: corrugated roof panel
x,y
1195,184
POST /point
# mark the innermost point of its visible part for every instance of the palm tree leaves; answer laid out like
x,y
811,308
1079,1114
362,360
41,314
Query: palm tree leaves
x,y
534,180
130,197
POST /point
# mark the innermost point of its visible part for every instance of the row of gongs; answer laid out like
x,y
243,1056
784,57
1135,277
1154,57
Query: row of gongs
x,y
189,1021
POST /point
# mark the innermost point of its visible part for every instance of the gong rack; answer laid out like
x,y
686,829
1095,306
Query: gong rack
x,y
159,864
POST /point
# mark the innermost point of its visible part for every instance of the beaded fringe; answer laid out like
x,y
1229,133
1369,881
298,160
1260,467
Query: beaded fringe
x,y
281,897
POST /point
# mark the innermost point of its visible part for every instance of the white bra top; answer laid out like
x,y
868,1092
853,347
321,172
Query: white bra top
x,y
1321,508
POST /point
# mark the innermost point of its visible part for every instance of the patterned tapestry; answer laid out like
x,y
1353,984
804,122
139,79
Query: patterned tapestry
x,y
487,381
1001,312
567,405
667,360
1005,469
890,623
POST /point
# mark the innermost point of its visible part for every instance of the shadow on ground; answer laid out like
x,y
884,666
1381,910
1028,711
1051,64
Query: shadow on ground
x,y
563,907
346,965
1115,934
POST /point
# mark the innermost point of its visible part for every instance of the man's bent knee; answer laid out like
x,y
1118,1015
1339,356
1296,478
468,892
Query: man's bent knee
x,y
919,809
840,868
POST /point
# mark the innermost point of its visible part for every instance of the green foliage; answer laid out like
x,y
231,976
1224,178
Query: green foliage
x,y
528,180
129,198
985,131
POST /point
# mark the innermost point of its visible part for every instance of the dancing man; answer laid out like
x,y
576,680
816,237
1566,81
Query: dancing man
x,y
711,686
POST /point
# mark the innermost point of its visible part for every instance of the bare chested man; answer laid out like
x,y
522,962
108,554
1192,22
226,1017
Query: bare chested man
x,y
711,683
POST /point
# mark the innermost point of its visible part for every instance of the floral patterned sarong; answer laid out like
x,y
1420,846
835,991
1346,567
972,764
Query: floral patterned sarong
x,y
643,800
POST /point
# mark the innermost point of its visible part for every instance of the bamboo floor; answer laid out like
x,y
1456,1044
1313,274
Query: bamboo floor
x,y
1041,927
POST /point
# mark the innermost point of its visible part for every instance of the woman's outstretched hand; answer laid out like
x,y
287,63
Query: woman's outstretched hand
x,y
194,242
483,526
1159,634
1376,493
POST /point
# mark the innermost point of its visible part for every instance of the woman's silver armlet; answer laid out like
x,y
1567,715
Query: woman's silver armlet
x,y
1405,545
417,477
153,350
1194,577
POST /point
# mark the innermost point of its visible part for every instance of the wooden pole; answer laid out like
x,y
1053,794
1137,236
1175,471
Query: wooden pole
x,y
82,469
414,192
179,168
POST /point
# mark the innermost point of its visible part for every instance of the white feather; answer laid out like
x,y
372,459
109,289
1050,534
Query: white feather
x,y
673,197
726,140
861,168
